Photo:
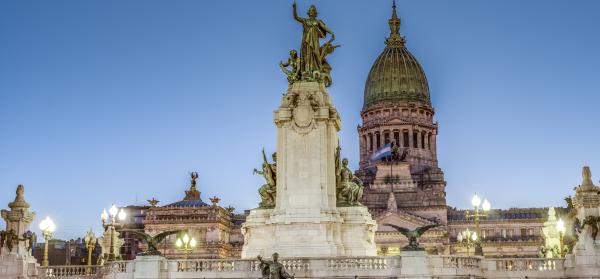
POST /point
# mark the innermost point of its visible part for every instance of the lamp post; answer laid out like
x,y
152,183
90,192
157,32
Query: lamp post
x,y
90,244
48,228
186,244
109,222
481,210
468,237
560,227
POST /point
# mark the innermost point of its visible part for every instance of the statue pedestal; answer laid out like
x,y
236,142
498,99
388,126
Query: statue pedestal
x,y
305,221
415,264
395,175
358,231
149,267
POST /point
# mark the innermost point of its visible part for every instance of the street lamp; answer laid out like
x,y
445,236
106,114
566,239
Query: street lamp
x,y
48,228
481,210
90,244
468,237
560,227
109,222
186,244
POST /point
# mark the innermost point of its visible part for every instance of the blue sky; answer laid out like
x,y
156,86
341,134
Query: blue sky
x,y
117,101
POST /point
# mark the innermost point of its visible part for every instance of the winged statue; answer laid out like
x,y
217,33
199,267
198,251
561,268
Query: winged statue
x,y
413,236
152,241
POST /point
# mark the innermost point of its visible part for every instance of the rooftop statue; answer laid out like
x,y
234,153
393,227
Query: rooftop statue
x,y
413,236
152,241
311,65
273,269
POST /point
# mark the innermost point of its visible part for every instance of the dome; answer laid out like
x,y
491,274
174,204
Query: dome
x,y
396,75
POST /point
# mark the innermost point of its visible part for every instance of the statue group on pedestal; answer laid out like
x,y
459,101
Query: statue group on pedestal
x,y
273,269
311,65
349,188
268,191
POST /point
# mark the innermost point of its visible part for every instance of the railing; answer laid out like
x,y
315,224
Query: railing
x,y
116,266
528,264
461,262
70,271
205,265
357,264
291,265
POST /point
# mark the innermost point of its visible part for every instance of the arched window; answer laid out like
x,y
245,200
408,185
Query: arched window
x,y
423,140
371,142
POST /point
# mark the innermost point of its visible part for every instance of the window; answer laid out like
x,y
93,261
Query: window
x,y
405,138
523,232
378,136
370,142
423,140
386,138
397,138
415,137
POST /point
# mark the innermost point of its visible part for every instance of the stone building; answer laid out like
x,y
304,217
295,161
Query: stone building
x,y
216,229
410,191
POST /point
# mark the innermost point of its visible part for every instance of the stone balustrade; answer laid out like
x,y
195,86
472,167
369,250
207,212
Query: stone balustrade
x,y
70,271
525,267
461,262
447,266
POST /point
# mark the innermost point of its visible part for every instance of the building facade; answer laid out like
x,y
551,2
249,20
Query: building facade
x,y
410,190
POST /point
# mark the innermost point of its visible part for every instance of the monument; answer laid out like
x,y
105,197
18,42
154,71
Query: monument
x,y
17,241
585,259
316,212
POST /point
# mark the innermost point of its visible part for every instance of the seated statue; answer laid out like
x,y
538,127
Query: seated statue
x,y
351,188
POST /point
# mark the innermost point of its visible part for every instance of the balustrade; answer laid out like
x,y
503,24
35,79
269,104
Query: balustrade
x,y
528,264
357,264
70,271
461,262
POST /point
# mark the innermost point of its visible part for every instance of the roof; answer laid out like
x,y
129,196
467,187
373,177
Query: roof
x,y
396,75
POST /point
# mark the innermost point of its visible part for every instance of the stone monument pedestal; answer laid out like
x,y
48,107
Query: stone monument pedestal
x,y
306,221
149,267
18,261
415,265
585,260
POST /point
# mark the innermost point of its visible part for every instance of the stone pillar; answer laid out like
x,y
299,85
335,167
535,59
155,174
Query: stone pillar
x,y
16,260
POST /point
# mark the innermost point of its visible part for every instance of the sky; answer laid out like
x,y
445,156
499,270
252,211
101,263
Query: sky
x,y
117,101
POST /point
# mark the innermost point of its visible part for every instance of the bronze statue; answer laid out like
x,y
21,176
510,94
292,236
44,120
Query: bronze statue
x,y
152,241
10,238
413,236
268,191
2,240
397,155
349,187
194,176
31,238
311,65
594,223
273,269
293,73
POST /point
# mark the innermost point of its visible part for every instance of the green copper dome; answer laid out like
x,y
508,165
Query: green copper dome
x,y
396,75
